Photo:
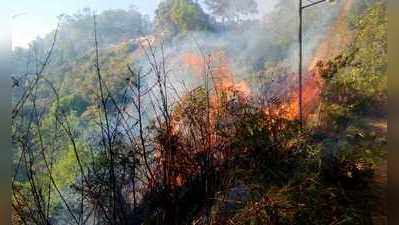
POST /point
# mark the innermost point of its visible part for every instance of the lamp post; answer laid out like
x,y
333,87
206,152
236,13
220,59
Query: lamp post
x,y
303,6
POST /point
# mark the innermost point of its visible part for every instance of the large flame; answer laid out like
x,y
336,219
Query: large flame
x,y
223,89
216,67
338,37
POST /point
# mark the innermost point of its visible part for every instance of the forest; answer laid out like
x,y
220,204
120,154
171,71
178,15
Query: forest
x,y
194,116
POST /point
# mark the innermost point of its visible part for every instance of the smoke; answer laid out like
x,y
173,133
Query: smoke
x,y
254,45
265,6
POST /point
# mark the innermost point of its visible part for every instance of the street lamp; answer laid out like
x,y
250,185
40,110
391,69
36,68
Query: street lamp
x,y
303,6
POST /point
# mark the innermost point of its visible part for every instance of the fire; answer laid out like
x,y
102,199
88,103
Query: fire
x,y
311,90
195,62
223,90
196,120
218,67
224,77
337,37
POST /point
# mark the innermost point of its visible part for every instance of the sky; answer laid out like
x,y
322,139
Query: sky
x,y
32,18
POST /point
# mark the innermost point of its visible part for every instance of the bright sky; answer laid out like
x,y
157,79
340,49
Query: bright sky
x,y
32,18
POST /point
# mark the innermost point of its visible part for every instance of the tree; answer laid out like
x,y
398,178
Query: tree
x,y
232,9
173,16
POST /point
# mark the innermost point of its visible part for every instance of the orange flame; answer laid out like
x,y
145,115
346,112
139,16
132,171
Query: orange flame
x,y
337,37
195,62
218,66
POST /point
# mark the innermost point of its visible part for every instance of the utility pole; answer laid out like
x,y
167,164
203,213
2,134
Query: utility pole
x,y
300,63
300,39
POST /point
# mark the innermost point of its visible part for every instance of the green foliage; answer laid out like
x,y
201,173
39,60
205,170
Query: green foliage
x,y
174,16
355,97
66,169
329,177
113,26
232,10
357,79
73,103
318,176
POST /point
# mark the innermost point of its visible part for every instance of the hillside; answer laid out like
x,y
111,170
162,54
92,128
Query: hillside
x,y
192,118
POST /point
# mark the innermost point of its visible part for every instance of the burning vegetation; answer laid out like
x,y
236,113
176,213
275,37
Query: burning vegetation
x,y
219,147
